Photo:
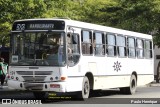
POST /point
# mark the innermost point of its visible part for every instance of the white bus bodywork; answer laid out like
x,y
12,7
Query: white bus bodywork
x,y
103,72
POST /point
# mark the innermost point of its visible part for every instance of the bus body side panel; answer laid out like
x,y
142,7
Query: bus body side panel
x,y
114,72
74,84
145,71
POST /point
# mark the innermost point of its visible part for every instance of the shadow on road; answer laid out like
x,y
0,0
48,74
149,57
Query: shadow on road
x,y
72,98
57,98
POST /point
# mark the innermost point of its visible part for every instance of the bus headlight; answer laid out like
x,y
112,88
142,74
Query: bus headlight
x,y
17,78
12,77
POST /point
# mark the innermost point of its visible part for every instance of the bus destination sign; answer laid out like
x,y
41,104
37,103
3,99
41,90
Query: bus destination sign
x,y
38,25
41,26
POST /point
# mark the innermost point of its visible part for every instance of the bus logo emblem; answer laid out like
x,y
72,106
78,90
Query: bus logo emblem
x,y
117,66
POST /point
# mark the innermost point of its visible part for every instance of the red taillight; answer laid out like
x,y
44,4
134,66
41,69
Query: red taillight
x,y
8,76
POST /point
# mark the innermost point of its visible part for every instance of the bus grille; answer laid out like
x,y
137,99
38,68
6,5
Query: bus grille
x,y
34,76
43,72
34,72
25,72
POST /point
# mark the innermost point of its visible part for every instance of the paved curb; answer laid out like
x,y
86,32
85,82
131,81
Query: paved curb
x,y
8,91
154,84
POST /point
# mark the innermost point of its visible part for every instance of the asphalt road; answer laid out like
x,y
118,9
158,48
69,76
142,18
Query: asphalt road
x,y
148,95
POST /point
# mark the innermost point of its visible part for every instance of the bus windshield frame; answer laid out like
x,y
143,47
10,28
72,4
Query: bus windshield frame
x,y
38,48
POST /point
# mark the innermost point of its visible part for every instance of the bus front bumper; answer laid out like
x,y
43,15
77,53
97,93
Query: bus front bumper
x,y
49,86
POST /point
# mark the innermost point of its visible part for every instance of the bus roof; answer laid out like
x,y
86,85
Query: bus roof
x,y
96,27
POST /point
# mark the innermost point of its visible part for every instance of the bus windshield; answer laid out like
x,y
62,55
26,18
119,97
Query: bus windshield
x,y
38,48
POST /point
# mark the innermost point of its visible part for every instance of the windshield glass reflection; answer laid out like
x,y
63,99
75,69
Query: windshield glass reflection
x,y
46,49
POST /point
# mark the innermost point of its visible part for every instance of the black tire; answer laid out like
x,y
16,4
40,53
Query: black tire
x,y
132,88
95,93
123,90
84,94
40,95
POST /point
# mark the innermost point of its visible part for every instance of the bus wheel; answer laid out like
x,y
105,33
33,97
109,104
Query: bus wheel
x,y
132,88
40,95
84,94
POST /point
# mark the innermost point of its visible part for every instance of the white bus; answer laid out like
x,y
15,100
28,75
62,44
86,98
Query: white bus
x,y
63,55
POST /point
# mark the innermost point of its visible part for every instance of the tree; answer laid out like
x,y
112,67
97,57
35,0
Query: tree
x,y
135,15
11,10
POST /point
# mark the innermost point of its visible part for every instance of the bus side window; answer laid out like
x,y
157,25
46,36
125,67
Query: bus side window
x,y
148,49
73,49
86,42
99,43
140,50
121,45
75,43
131,47
111,45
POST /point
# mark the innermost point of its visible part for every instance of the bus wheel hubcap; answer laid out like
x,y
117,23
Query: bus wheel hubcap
x,y
86,88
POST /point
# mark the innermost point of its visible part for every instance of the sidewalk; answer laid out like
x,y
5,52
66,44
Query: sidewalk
x,y
7,92
154,84
5,88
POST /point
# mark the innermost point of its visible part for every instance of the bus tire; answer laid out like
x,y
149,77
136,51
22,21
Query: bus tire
x,y
40,95
84,94
132,88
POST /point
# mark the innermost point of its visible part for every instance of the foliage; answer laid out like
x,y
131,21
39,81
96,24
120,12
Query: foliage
x,y
135,15
11,10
